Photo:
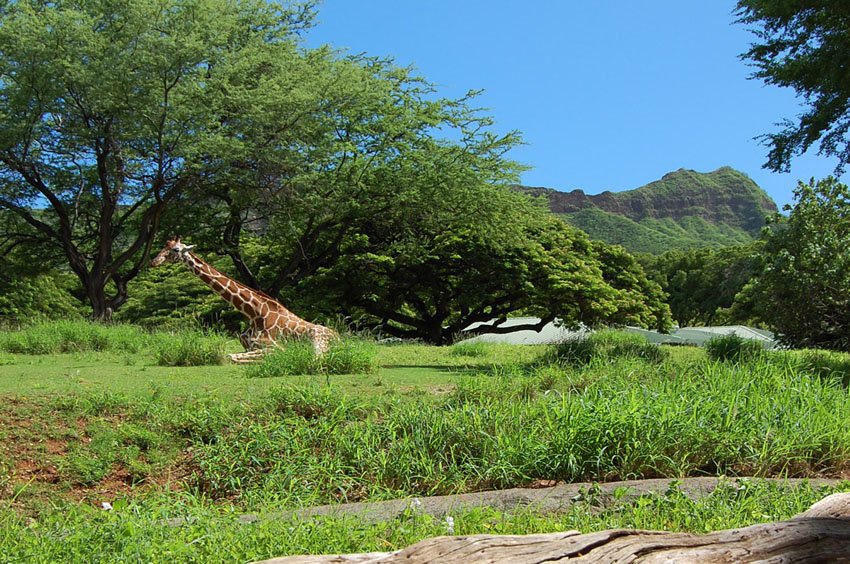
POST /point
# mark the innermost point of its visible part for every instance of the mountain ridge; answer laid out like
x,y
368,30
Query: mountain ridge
x,y
683,209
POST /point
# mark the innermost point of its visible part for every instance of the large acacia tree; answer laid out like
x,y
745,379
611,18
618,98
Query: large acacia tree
x,y
804,45
110,113
459,250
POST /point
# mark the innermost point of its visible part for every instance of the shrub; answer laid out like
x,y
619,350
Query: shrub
x,y
38,297
190,347
345,356
732,348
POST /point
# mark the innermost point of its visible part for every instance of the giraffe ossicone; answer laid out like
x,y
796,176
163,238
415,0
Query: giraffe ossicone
x,y
268,319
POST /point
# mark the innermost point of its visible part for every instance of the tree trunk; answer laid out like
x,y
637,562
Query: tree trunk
x,y
95,292
821,534
104,306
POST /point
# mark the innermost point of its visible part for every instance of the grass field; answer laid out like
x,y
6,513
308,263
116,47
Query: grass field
x,y
99,416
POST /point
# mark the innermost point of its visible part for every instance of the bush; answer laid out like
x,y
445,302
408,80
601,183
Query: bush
x,y
605,346
345,356
732,348
190,347
38,297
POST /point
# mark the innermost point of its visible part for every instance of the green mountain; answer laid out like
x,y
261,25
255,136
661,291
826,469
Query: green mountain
x,y
685,209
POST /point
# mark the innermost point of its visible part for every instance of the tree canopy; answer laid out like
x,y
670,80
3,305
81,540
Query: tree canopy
x,y
108,115
804,45
702,284
801,291
463,253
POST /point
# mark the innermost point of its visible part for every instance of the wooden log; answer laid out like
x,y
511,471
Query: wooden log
x,y
820,534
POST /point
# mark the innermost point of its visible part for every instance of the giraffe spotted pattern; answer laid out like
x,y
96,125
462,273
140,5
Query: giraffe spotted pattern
x,y
268,320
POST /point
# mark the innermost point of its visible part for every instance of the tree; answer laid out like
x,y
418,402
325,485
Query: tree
x,y
285,203
805,45
460,250
802,291
108,116
701,284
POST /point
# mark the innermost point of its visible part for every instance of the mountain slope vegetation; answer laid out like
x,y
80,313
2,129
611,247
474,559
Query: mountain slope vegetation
x,y
685,209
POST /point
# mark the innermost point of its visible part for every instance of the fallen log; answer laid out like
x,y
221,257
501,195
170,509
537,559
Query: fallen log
x,y
820,534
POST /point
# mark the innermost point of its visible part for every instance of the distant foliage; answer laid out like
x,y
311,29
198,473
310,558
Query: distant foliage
x,y
732,348
683,210
656,236
171,297
639,301
702,284
348,355
25,297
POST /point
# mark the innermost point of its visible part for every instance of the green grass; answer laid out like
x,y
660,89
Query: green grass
x,y
604,347
208,442
189,347
137,530
732,348
345,356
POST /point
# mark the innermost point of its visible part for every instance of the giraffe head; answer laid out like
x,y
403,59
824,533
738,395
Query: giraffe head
x,y
173,251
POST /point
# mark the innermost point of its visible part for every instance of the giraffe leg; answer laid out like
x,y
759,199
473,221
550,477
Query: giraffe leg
x,y
246,338
248,357
256,341
322,339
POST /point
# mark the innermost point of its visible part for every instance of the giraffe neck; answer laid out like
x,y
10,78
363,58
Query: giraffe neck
x,y
240,296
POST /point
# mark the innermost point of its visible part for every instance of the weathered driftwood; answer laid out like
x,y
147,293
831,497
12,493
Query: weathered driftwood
x,y
821,534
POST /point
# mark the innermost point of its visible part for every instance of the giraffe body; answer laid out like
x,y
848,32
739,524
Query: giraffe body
x,y
269,321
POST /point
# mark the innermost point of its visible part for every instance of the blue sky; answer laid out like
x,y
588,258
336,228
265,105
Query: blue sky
x,y
608,94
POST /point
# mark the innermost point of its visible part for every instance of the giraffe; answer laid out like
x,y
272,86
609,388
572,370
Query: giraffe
x,y
268,319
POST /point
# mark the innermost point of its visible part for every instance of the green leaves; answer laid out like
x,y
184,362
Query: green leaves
x,y
462,251
802,290
804,45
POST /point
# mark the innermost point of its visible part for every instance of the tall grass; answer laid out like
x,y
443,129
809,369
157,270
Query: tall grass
x,y
65,336
604,346
348,355
627,420
189,347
